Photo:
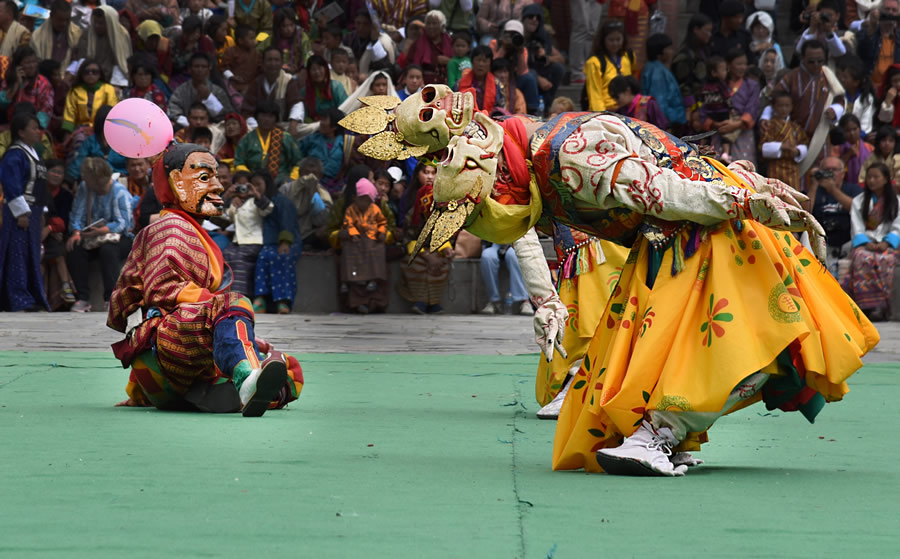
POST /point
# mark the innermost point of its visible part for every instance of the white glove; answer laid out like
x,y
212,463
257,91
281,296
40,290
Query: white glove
x,y
550,325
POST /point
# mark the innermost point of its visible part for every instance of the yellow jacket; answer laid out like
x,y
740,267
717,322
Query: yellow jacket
x,y
76,113
597,82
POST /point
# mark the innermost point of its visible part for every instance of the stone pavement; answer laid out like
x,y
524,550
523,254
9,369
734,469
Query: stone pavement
x,y
339,333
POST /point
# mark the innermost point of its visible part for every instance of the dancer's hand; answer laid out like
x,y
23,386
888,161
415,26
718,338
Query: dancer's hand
x,y
776,214
747,171
550,325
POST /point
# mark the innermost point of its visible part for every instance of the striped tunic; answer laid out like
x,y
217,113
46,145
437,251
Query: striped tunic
x,y
789,134
810,94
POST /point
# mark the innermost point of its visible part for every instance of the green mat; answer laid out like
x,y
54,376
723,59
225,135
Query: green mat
x,y
420,456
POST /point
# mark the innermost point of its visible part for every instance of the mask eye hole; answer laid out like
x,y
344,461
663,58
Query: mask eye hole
x,y
428,94
426,115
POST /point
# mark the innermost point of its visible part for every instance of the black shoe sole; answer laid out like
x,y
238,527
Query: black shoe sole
x,y
625,467
214,398
268,385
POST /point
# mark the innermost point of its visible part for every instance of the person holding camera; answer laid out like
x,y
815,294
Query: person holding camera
x,y
879,35
247,207
822,26
832,197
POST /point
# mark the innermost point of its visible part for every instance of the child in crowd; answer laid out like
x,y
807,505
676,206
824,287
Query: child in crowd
x,y
196,8
202,136
479,79
561,105
363,233
331,42
276,265
413,81
715,97
242,62
885,144
784,143
217,29
509,98
327,145
340,60
629,102
462,42
247,207
854,151
57,281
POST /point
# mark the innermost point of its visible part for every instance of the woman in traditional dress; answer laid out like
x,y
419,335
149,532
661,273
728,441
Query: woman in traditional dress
x,y
425,278
434,49
611,58
275,276
320,93
689,64
235,129
89,93
291,40
745,103
23,83
586,275
23,178
875,230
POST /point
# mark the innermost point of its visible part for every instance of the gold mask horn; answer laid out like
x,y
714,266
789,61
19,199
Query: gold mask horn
x,y
446,221
374,119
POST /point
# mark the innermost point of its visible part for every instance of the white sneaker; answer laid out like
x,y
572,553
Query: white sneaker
x,y
490,308
645,453
526,309
263,385
81,306
551,410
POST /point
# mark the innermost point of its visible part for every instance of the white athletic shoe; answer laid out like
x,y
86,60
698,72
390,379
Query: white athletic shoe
x,y
645,453
551,410
263,385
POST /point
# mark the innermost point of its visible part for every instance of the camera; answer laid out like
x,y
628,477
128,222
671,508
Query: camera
x,y
822,174
825,18
517,39
242,188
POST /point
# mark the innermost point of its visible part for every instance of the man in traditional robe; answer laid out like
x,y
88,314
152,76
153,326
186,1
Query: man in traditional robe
x,y
816,93
272,84
12,33
189,340
56,38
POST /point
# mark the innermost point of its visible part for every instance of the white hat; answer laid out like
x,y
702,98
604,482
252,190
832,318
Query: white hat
x,y
516,26
395,173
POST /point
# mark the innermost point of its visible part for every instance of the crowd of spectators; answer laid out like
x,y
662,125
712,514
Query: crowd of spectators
x,y
264,84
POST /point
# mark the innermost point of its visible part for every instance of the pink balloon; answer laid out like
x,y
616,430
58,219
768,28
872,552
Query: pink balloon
x,y
137,128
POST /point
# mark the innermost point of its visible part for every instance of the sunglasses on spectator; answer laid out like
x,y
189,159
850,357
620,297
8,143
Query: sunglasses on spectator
x,y
530,16
92,71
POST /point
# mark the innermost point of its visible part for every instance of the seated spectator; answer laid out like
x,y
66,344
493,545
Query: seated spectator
x,y
256,15
291,40
371,47
425,279
769,64
312,201
56,38
196,8
363,262
545,60
165,12
610,59
320,93
560,105
276,85
137,179
434,49
491,256
509,98
378,83
858,92
153,44
823,23
246,207
689,64
242,61
328,146
415,28
276,265
890,97
657,79
783,144
268,147
45,148
12,33
879,35
107,43
143,75
511,46
340,62
235,128
479,79
384,184
762,27
854,151
875,227
95,145
199,88
24,197
57,280
197,117
23,83
413,81
202,136
493,13
832,196
217,30
100,226
88,94
626,91
885,143
731,33
462,44
52,70
331,42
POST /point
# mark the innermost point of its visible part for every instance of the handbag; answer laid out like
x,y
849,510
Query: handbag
x,y
91,243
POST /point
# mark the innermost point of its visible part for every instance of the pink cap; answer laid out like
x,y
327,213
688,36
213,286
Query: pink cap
x,y
364,187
